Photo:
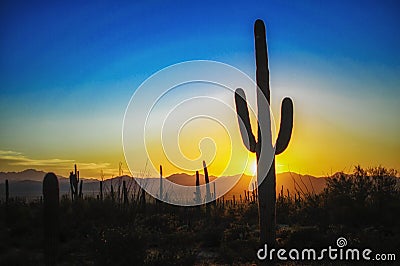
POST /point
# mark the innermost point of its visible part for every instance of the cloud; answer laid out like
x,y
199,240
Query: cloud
x,y
94,166
17,158
10,153
13,158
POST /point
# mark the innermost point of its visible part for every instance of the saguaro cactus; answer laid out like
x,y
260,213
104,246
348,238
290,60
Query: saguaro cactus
x,y
101,190
266,190
197,197
208,192
125,193
74,181
161,184
7,192
80,189
50,217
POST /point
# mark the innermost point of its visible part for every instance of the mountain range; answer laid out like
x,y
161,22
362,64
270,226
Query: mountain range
x,y
28,183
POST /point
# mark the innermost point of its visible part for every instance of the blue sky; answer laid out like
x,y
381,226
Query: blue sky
x,y
67,71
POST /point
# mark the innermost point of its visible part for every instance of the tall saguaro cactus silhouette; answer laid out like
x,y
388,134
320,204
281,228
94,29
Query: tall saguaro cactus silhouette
x,y
267,184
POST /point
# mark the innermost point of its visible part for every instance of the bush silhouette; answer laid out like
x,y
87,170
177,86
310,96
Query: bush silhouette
x,y
365,197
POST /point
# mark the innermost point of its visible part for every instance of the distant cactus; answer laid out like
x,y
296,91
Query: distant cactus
x,y
208,191
7,192
125,192
267,192
74,181
80,189
101,190
197,197
161,184
50,217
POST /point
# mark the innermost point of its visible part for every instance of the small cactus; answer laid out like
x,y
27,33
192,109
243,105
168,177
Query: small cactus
x,y
74,181
161,184
50,217
267,184
80,189
101,190
125,192
197,197
7,192
208,192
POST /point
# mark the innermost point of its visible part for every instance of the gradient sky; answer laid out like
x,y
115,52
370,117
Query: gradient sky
x,y
67,73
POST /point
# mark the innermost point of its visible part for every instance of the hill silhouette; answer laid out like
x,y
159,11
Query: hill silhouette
x,y
290,181
29,183
28,174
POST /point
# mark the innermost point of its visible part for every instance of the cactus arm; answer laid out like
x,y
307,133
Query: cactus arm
x,y
286,126
244,120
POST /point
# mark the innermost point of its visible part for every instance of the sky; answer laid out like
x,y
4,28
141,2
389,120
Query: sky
x,y
68,71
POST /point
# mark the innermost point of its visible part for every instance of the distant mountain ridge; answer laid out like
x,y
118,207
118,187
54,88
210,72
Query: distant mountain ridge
x,y
28,174
188,180
28,182
290,181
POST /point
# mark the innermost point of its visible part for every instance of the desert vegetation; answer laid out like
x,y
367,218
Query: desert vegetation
x,y
362,206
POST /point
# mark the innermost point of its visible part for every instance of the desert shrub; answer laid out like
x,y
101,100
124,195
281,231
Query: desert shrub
x,y
363,198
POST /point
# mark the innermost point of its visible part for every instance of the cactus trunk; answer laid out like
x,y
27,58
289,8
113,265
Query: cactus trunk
x,y
267,207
